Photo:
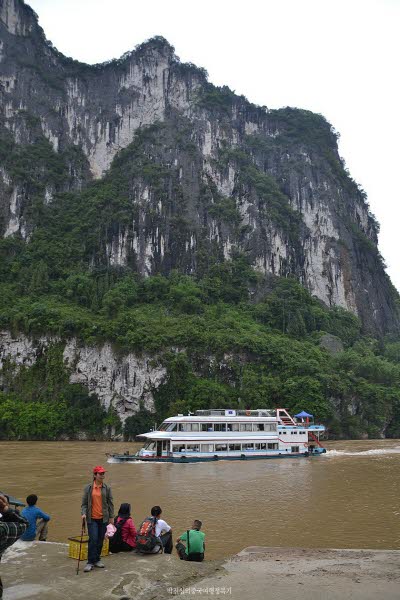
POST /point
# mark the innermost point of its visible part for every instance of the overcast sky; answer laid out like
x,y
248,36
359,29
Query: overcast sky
x,y
339,58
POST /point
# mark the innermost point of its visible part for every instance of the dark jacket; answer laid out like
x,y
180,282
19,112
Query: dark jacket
x,y
12,526
107,502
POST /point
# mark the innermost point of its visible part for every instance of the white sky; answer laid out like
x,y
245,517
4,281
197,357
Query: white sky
x,y
339,58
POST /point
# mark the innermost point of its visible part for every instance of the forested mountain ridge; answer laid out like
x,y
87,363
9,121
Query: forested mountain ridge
x,y
145,208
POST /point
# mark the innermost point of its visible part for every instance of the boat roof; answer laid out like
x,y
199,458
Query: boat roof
x,y
213,436
224,419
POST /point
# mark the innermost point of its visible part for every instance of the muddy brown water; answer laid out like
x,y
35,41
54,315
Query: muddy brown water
x,y
348,498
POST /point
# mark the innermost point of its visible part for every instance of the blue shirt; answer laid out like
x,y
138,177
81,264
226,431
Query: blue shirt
x,y
31,513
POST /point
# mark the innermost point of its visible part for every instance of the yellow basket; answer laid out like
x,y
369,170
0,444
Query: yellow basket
x,y
75,545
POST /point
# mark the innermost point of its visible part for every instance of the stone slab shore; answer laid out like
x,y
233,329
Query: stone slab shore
x,y
43,571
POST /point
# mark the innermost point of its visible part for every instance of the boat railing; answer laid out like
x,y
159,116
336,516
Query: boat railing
x,y
315,439
311,424
258,412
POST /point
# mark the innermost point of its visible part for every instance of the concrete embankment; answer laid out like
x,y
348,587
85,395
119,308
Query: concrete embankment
x,y
43,571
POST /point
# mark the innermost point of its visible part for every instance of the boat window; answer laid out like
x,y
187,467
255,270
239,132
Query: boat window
x,y
247,446
207,427
178,448
233,447
229,427
207,447
272,446
181,426
295,448
163,426
270,427
235,427
258,426
192,427
219,426
221,447
245,427
193,447
171,427
260,446
150,446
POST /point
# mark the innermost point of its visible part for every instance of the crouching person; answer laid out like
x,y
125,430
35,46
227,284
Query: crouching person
x,y
195,546
12,526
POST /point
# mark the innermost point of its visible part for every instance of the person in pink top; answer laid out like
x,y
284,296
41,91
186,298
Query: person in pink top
x,y
128,529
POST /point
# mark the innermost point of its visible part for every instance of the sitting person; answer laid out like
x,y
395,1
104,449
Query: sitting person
x,y
195,546
124,539
154,534
12,526
37,520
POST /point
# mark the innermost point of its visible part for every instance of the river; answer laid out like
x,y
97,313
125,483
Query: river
x,y
347,498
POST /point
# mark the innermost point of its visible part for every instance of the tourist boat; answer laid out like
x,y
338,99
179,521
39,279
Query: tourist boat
x,y
220,434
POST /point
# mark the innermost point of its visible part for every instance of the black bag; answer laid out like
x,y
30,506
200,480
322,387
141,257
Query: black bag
x,y
115,543
146,539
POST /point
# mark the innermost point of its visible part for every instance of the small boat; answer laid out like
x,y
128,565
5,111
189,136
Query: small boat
x,y
227,434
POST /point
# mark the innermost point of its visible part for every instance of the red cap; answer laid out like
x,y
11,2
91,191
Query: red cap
x,y
98,469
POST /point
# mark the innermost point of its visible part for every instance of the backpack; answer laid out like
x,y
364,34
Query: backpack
x,y
116,540
146,539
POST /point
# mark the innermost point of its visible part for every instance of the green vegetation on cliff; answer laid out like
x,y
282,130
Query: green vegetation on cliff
x,y
219,350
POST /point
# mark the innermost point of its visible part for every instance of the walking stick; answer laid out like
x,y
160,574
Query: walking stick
x,y
80,546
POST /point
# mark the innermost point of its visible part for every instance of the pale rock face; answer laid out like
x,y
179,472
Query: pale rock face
x,y
14,223
53,139
325,277
21,350
248,212
48,195
11,16
227,247
117,250
121,382
272,261
251,128
7,82
8,110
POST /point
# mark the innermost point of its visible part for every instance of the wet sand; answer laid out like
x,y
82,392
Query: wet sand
x,y
33,571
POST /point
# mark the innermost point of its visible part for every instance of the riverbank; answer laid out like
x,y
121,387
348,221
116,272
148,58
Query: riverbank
x,y
33,571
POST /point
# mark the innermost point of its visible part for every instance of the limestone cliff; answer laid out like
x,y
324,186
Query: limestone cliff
x,y
124,383
235,177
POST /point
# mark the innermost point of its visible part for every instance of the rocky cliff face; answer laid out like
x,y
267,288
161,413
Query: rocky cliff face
x,y
124,383
231,177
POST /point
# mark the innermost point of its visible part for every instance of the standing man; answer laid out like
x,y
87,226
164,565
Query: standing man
x,y
37,520
12,526
97,511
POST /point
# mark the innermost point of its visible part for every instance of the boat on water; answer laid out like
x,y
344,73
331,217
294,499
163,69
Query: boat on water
x,y
227,434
